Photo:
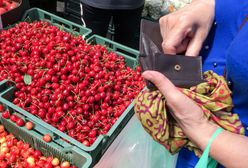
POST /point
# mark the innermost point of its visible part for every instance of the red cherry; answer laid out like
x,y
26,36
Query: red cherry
x,y
29,125
65,164
12,158
6,114
14,117
37,154
1,108
47,138
1,128
86,142
20,122
92,133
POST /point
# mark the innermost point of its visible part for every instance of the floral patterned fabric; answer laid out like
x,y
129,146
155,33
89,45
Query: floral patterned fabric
x,y
214,98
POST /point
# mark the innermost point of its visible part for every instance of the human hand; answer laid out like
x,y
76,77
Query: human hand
x,y
185,111
187,28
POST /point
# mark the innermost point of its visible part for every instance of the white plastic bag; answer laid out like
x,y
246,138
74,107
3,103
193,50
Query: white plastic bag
x,y
134,148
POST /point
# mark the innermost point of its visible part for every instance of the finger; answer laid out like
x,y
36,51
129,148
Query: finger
x,y
183,46
169,48
176,40
195,44
164,26
164,29
180,49
176,100
167,88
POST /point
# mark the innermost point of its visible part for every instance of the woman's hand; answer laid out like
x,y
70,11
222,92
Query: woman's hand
x,y
186,112
187,28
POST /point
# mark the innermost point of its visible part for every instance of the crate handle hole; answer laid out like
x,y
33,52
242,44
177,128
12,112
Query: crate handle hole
x,y
109,45
126,53
75,28
61,23
47,17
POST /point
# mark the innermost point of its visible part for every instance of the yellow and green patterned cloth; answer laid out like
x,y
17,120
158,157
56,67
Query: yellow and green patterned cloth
x,y
214,98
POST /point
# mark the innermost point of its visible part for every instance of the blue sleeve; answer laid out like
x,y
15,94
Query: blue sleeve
x,y
186,159
237,69
229,15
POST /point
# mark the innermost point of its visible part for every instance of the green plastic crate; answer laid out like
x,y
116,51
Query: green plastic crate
x,y
36,14
65,151
131,55
97,149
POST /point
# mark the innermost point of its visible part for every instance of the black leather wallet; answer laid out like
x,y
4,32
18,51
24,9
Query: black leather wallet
x,y
183,71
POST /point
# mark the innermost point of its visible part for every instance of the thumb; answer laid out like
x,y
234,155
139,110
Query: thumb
x,y
195,44
165,86
176,100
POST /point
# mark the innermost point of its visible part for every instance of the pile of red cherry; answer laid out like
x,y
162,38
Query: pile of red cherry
x,y
7,5
18,154
79,88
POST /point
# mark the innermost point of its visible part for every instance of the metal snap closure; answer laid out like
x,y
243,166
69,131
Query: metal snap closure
x,y
177,67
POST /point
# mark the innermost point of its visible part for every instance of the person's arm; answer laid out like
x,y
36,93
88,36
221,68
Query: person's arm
x,y
229,149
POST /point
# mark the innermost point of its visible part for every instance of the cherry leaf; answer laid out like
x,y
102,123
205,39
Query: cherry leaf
x,y
27,79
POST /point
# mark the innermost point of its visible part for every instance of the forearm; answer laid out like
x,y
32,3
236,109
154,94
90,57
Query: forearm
x,y
229,149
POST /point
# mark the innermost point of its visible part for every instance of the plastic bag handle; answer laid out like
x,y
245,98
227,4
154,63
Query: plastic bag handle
x,y
206,161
